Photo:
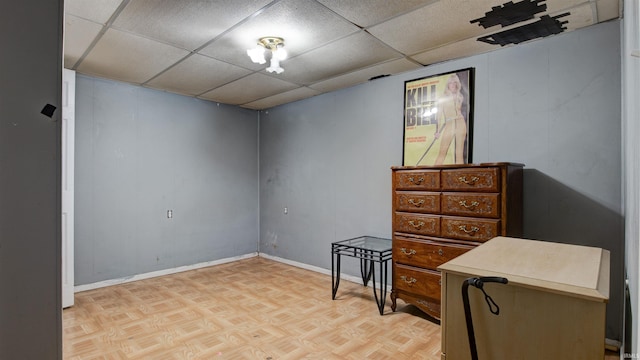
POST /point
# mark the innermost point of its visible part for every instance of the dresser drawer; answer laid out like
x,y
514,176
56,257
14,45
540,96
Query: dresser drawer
x,y
416,223
472,179
412,201
423,253
473,229
418,281
471,204
417,180
428,305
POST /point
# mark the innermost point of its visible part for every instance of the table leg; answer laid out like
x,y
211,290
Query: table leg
x,y
366,268
383,286
335,280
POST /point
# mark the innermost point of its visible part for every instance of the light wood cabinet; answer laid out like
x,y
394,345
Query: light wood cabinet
x,y
553,306
442,212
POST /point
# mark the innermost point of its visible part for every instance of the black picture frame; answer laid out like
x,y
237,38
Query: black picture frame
x,y
438,119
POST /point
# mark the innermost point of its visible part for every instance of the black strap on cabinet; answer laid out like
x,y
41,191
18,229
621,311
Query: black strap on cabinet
x,y
493,307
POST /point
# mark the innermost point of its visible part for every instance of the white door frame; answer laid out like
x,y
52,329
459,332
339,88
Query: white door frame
x,y
68,165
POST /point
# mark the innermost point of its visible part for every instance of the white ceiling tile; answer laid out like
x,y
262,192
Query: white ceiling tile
x,y
186,24
95,10
414,32
579,17
456,50
607,9
282,98
361,76
78,35
229,49
126,57
571,19
151,42
340,57
554,6
435,25
304,25
197,74
251,88
371,12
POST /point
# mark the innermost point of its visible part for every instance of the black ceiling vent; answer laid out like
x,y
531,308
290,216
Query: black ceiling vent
x,y
379,77
510,13
544,27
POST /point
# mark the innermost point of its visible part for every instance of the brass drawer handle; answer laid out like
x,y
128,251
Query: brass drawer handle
x,y
440,252
463,179
417,181
410,252
418,225
474,229
416,203
468,206
409,281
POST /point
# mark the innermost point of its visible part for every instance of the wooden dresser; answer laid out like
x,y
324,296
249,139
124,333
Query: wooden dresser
x,y
442,212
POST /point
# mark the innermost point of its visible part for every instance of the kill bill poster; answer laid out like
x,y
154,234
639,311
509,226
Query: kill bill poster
x,y
437,119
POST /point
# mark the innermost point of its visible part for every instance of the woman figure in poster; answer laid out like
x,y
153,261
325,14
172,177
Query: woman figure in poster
x,y
453,124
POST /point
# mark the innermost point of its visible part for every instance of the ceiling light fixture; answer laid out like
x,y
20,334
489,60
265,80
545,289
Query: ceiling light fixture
x,y
278,53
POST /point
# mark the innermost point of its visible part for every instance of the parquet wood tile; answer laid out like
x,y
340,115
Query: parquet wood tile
x,y
249,309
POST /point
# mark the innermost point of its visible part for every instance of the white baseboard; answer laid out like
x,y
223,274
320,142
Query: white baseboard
x,y
153,274
355,279
111,282
613,345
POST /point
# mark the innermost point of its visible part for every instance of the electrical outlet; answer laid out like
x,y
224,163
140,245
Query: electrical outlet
x,y
286,210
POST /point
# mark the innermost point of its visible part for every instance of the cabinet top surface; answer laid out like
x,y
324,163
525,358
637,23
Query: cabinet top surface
x,y
455,166
570,269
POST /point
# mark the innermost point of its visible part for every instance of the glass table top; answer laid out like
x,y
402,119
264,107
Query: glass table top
x,y
366,243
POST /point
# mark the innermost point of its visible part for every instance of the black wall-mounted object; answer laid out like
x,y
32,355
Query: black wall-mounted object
x,y
48,110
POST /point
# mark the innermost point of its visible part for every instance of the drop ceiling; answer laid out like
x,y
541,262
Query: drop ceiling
x,y
198,47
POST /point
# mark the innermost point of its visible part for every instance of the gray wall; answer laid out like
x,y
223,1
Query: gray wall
x,y
141,152
553,105
31,76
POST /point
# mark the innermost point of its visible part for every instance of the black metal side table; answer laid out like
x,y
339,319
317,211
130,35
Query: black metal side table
x,y
369,250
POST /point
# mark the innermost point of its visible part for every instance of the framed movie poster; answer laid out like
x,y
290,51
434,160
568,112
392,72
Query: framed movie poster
x,y
438,119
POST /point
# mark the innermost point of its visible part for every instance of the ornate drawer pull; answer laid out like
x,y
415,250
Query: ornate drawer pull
x,y
474,229
416,181
418,225
416,203
410,281
463,179
464,203
440,252
410,252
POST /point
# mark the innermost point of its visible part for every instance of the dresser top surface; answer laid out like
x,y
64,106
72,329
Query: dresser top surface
x,y
456,166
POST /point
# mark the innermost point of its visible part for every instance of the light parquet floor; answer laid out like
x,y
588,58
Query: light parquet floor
x,y
249,309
